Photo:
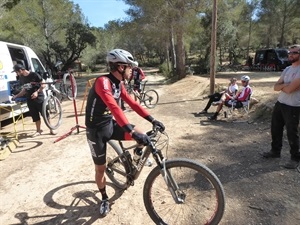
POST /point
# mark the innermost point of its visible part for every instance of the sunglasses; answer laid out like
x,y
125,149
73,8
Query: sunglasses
x,y
293,53
127,65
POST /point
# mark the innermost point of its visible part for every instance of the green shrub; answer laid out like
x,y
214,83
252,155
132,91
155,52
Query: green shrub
x,y
165,70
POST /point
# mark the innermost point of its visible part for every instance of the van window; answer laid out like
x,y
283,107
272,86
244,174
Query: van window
x,y
271,57
18,56
38,68
283,54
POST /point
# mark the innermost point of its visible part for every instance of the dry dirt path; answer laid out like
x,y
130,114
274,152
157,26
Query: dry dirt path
x,y
47,183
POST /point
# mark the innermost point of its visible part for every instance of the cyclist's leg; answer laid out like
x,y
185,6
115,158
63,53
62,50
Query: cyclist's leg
x,y
136,89
97,138
120,134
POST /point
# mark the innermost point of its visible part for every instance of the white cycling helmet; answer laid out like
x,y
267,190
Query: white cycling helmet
x,y
245,78
121,56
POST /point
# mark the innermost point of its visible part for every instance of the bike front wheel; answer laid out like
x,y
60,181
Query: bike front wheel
x,y
197,194
67,83
115,168
150,98
52,112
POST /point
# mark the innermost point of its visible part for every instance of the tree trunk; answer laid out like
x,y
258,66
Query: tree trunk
x,y
213,47
173,52
180,56
249,37
282,41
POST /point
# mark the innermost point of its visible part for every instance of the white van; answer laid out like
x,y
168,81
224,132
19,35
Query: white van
x,y
11,54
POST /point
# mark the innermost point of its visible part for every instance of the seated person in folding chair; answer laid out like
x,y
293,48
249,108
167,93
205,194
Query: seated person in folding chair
x,y
216,97
237,101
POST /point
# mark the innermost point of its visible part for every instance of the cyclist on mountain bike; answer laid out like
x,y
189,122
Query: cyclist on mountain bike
x,y
137,76
105,120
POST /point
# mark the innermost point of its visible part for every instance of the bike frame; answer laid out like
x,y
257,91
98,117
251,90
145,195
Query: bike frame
x,y
139,95
122,171
52,88
133,172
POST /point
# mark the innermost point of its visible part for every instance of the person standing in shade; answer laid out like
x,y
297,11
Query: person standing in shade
x,y
33,89
286,111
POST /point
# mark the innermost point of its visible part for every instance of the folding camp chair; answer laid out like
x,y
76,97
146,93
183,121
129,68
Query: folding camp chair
x,y
242,107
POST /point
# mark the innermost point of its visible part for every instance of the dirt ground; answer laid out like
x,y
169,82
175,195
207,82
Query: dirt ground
x,y
42,182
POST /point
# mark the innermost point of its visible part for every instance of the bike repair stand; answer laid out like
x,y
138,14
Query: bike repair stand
x,y
77,126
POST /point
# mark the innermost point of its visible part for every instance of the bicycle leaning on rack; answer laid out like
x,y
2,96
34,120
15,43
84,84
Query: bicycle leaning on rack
x,y
177,191
52,111
65,83
149,98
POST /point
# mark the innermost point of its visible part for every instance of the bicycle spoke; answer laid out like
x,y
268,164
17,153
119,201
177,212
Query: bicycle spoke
x,y
198,194
150,98
52,112
68,86
115,168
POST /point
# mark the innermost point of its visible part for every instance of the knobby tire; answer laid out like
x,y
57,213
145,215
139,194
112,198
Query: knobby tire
x,y
68,87
203,194
52,112
116,170
150,98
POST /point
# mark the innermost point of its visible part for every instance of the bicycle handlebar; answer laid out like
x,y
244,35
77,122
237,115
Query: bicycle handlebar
x,y
53,82
155,129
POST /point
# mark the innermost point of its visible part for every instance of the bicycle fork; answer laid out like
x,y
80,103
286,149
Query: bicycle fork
x,y
177,194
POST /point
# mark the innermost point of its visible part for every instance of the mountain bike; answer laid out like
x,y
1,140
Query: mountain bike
x,y
177,191
149,98
51,109
65,84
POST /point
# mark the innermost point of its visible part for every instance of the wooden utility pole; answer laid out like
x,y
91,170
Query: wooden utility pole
x,y
213,48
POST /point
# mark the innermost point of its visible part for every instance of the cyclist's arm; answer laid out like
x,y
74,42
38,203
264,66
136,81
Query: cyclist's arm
x,y
142,74
104,90
134,104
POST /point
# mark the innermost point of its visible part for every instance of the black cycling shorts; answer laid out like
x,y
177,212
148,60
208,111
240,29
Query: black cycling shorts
x,y
98,137
35,109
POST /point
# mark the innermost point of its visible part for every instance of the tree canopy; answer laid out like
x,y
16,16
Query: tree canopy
x,y
174,33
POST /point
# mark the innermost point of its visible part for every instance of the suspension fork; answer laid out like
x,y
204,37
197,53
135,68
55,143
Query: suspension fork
x,y
176,193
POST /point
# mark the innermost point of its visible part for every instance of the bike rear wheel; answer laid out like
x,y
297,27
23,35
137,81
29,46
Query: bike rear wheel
x,y
150,98
115,168
52,112
68,86
200,195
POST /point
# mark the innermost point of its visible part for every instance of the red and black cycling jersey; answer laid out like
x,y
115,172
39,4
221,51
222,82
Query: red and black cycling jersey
x,y
103,103
137,75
